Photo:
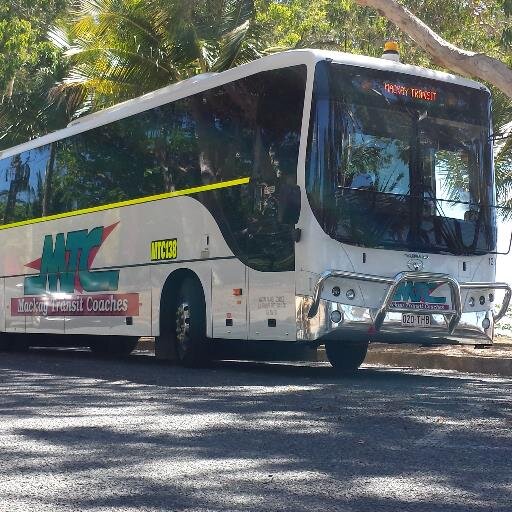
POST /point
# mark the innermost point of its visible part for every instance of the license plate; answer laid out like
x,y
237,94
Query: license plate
x,y
414,320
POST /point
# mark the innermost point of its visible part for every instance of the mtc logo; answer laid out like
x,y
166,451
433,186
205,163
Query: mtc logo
x,y
65,264
417,292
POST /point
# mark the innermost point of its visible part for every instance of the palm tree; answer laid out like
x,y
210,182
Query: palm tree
x,y
119,49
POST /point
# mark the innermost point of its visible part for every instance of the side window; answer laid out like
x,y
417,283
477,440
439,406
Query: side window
x,y
102,166
170,142
143,155
21,185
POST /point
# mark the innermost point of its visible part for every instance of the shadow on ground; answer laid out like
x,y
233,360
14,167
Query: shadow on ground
x,y
81,433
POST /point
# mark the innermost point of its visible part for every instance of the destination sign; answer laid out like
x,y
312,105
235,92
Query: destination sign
x,y
411,92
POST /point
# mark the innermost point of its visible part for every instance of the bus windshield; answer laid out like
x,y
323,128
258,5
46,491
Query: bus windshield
x,y
400,161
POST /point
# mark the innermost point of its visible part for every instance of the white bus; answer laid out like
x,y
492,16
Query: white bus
x,y
308,197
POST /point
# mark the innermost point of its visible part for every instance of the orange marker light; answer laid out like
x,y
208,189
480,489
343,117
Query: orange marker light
x,y
391,46
237,292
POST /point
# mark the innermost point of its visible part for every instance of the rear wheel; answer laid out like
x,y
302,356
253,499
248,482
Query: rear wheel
x,y
188,331
345,357
113,346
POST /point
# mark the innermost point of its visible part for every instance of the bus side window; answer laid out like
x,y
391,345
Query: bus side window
x,y
5,182
21,185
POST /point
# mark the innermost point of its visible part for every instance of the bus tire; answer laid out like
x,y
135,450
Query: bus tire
x,y
113,346
345,357
189,322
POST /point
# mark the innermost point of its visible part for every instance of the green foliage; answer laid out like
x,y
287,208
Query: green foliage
x,y
29,112
507,6
40,13
15,39
22,28
346,26
119,49
29,66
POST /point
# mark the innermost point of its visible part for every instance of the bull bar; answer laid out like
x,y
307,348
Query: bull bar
x,y
452,316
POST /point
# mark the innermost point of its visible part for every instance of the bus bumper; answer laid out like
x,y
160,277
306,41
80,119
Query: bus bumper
x,y
357,324
321,319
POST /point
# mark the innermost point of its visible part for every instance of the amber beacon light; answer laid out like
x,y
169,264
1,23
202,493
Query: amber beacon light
x,y
391,51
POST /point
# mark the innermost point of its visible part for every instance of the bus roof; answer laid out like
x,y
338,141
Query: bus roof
x,y
207,81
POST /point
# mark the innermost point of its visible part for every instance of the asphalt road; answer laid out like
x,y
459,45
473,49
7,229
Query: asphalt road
x,y
78,433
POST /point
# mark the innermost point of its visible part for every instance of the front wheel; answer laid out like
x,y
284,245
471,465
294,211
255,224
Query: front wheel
x,y
346,357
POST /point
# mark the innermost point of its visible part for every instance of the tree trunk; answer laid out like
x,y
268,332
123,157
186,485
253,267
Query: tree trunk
x,y
447,55
9,89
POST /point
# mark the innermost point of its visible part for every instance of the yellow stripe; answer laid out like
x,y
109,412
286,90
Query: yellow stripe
x,y
130,202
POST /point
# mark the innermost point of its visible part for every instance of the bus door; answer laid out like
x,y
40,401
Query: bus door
x,y
270,247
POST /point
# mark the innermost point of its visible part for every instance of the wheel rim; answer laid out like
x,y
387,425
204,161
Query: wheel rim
x,y
182,326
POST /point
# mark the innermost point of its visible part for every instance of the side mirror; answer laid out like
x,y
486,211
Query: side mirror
x,y
289,204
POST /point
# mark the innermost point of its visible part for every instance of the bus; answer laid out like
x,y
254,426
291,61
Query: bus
x,y
308,197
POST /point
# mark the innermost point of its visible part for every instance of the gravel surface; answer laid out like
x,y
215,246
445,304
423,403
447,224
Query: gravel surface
x,y
78,433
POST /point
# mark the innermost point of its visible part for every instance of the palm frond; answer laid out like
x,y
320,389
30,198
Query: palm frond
x,y
121,48
236,14
230,47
